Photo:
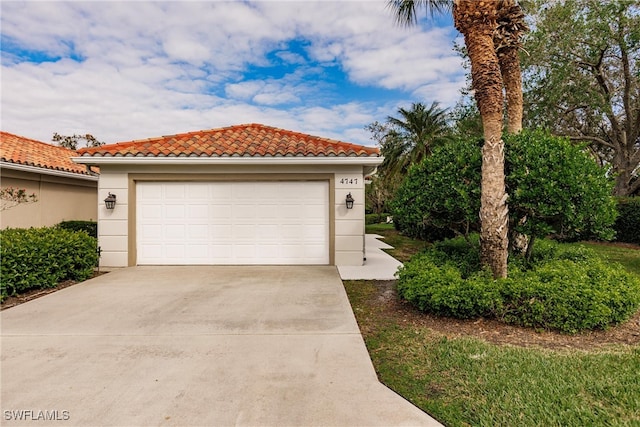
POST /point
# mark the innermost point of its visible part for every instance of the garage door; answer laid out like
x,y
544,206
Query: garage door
x,y
232,222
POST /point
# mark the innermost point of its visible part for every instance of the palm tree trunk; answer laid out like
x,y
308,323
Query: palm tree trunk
x,y
512,79
476,20
506,39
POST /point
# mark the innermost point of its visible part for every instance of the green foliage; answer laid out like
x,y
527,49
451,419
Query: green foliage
x,y
554,188
89,227
375,218
42,257
627,225
582,78
567,288
558,188
570,296
442,192
404,141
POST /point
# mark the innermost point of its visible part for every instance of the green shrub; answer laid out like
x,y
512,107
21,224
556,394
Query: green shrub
x,y
441,193
554,187
90,227
570,296
566,288
374,218
42,257
627,225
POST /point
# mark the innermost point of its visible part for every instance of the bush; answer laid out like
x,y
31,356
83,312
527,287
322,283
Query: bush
x,y
566,288
43,257
90,227
554,188
373,218
627,225
441,195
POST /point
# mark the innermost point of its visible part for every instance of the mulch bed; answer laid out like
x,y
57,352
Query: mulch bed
x,y
496,332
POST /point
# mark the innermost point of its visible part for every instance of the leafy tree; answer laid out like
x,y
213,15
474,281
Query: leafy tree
x,y
11,197
417,131
377,195
583,79
71,142
442,192
465,121
407,140
491,31
555,186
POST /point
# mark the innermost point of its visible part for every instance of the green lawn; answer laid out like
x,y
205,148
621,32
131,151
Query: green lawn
x,y
463,382
403,247
629,258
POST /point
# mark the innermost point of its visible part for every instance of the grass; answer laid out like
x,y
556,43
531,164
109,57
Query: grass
x,y
463,382
629,258
403,247
470,382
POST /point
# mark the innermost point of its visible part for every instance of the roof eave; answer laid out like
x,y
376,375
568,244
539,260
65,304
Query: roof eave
x,y
46,171
284,160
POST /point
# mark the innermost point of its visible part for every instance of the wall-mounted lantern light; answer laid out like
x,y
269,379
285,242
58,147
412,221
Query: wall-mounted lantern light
x,y
110,201
349,201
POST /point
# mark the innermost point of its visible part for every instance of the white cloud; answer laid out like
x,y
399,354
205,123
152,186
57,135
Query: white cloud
x,y
128,70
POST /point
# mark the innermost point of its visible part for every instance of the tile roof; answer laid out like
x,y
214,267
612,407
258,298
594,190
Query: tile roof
x,y
29,152
249,140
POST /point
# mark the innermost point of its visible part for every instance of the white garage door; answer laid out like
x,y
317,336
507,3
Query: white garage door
x,y
232,223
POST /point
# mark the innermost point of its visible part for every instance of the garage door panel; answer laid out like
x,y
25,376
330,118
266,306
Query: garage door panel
x,y
197,191
198,211
233,223
245,211
220,212
197,252
197,232
313,251
267,233
150,211
174,211
291,232
269,211
220,231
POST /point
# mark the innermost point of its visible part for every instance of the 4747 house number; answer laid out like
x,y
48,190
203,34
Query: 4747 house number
x,y
348,181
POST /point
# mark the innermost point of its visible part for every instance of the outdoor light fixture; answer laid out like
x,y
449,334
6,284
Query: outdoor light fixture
x,y
349,201
110,201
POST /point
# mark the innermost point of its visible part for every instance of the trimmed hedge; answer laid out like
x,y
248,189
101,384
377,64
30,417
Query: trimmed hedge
x,y
42,257
566,288
627,225
90,227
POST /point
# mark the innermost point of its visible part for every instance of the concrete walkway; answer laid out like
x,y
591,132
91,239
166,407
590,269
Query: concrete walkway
x,y
379,265
194,346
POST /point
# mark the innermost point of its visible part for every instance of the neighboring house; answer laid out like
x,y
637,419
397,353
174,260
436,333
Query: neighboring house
x,y
64,190
247,194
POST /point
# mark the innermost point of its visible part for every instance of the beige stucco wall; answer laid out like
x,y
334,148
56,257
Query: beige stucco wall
x,y
59,199
114,226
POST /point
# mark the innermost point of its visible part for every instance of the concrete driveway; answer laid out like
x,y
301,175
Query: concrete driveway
x,y
194,346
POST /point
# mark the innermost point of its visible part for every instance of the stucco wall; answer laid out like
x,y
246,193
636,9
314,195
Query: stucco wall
x,y
114,226
59,199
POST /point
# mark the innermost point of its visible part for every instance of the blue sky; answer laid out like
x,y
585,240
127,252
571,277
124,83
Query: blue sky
x,y
137,69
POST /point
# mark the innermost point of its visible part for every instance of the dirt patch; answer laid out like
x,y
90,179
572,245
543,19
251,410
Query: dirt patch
x,y
496,332
37,293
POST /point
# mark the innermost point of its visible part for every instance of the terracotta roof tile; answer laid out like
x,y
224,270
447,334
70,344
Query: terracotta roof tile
x,y
29,152
252,140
